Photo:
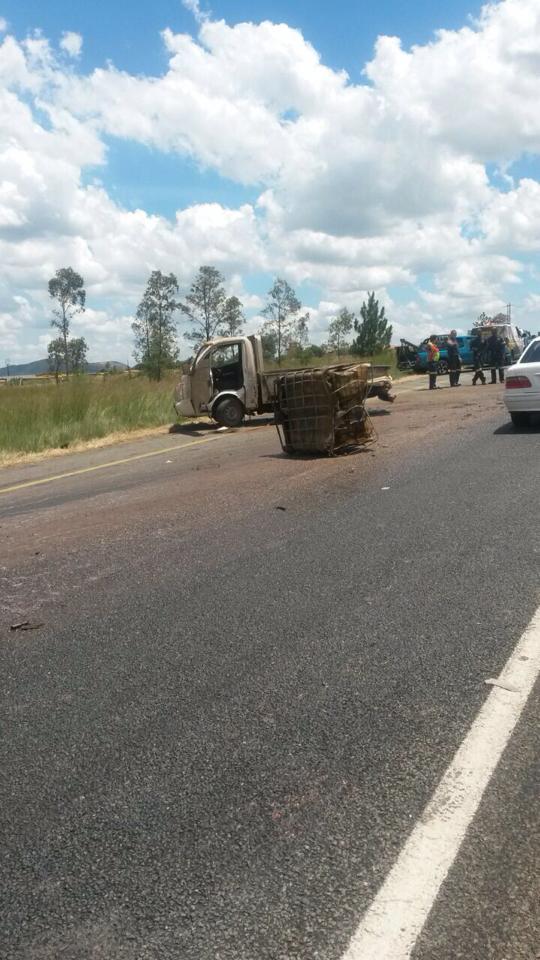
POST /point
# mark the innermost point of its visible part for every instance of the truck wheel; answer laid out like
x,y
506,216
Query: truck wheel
x,y
442,367
520,419
229,412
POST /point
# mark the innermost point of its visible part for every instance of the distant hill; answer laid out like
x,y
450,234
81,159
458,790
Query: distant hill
x,y
42,366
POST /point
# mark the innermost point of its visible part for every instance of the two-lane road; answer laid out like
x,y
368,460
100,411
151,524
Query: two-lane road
x,y
251,676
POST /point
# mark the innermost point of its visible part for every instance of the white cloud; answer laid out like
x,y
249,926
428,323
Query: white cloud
x,y
364,186
3,24
71,43
194,7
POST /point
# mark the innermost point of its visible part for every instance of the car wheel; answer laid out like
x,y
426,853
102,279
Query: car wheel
x,y
229,412
520,419
442,367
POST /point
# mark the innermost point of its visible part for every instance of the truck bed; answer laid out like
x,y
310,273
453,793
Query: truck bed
x,y
381,381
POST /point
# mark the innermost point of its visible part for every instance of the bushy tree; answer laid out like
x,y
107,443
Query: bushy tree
x,y
55,356
304,354
154,327
269,345
77,351
282,317
373,330
339,329
204,305
232,317
67,288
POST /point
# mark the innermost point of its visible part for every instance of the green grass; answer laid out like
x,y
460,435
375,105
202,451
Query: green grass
x,y
39,416
386,357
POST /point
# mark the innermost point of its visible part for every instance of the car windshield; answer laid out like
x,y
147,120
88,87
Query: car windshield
x,y
532,353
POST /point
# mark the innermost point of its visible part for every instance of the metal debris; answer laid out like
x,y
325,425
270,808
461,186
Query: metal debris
x,y
322,410
26,625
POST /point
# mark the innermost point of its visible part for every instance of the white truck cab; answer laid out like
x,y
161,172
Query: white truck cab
x,y
223,381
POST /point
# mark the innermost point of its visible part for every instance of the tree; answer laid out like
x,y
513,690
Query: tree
x,y
269,346
77,350
232,317
56,356
282,320
67,288
304,354
374,331
339,329
154,326
204,306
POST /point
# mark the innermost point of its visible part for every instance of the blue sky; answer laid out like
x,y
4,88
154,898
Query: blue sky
x,y
342,32
419,178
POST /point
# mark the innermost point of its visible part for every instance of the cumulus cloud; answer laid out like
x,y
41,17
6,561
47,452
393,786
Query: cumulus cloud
x,y
194,7
379,185
71,43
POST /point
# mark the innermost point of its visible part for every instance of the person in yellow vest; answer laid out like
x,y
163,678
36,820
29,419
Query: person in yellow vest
x,y
433,357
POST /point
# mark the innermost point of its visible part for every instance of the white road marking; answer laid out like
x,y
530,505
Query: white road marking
x,y
390,927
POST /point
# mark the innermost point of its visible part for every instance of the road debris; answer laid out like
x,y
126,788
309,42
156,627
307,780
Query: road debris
x,y
493,682
323,410
26,625
281,508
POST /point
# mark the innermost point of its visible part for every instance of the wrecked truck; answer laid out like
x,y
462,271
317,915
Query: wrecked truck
x,y
227,381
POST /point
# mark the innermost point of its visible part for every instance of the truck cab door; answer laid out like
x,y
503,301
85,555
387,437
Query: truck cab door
x,y
202,386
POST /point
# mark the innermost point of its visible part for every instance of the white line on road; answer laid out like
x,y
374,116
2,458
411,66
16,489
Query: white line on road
x,y
390,927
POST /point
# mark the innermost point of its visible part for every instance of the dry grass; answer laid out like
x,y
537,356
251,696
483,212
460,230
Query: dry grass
x,y
11,459
37,419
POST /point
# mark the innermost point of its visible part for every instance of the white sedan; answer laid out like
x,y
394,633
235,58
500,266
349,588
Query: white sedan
x,y
522,388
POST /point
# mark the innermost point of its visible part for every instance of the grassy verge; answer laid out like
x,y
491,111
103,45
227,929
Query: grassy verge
x,y
44,416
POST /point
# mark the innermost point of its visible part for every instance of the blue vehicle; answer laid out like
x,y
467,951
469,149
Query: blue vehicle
x,y
465,352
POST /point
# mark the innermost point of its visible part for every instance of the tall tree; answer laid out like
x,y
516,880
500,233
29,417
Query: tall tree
x,y
339,329
232,317
203,306
282,320
67,288
155,327
77,350
374,331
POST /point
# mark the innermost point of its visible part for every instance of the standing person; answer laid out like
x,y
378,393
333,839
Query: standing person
x,y
477,347
433,357
496,349
454,359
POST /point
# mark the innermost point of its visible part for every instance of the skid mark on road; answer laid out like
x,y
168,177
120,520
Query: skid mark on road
x,y
390,927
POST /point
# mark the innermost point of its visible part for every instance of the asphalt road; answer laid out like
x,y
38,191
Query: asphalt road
x,y
247,676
